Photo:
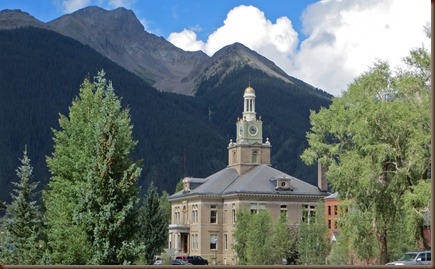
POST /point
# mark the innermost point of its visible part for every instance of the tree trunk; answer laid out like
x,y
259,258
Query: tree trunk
x,y
381,236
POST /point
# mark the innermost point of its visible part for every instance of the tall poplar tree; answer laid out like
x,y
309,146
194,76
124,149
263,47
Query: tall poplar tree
x,y
91,204
243,218
258,245
22,224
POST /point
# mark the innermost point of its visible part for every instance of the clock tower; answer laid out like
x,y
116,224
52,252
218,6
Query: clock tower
x,y
249,149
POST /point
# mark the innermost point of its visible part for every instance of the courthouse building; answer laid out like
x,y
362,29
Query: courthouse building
x,y
204,213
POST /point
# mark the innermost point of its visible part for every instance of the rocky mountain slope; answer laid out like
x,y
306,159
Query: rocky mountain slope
x,y
119,35
11,19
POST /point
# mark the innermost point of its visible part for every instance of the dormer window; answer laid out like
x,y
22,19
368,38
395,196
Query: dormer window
x,y
186,185
283,183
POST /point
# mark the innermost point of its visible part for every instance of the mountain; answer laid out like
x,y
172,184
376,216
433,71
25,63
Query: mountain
x,y
11,19
119,35
41,74
179,134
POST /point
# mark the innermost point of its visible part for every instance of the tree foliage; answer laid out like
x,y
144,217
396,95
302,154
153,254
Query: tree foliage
x,y
22,225
313,245
375,140
154,223
283,242
91,205
258,249
259,241
241,232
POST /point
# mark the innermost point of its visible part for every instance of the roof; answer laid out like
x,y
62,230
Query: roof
x,y
261,179
332,196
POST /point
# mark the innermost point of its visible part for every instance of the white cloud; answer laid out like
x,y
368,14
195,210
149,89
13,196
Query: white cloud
x,y
73,5
344,38
69,6
121,3
186,39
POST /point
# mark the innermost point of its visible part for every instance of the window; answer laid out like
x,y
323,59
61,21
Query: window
x,y
283,210
194,241
213,241
329,224
234,215
335,224
255,208
177,215
225,241
254,157
329,210
308,213
213,214
185,215
195,214
335,210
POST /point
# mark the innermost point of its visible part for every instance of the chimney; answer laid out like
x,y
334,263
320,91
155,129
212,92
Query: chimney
x,y
322,183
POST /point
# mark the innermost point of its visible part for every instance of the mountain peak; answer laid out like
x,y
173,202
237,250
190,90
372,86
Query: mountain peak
x,y
236,56
96,19
11,19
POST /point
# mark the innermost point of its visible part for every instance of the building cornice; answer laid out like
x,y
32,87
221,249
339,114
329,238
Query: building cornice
x,y
246,196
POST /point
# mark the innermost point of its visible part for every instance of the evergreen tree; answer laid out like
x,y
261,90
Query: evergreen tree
x,y
154,223
22,224
91,206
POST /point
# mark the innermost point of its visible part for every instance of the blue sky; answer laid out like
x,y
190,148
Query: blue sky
x,y
163,17
326,43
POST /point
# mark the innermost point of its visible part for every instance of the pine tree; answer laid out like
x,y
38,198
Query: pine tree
x,y
154,224
22,224
93,196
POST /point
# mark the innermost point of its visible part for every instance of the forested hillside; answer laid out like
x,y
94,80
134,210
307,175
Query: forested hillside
x,y
41,72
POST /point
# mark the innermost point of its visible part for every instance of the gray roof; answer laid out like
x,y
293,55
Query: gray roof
x,y
332,196
261,179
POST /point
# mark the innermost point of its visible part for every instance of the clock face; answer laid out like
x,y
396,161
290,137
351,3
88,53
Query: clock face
x,y
253,130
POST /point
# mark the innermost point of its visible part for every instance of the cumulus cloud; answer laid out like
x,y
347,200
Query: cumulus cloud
x,y
249,26
70,6
186,39
343,38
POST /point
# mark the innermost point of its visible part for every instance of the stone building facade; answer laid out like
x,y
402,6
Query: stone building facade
x,y
204,212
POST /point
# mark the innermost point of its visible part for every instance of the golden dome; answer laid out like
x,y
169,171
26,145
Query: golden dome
x,y
249,90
